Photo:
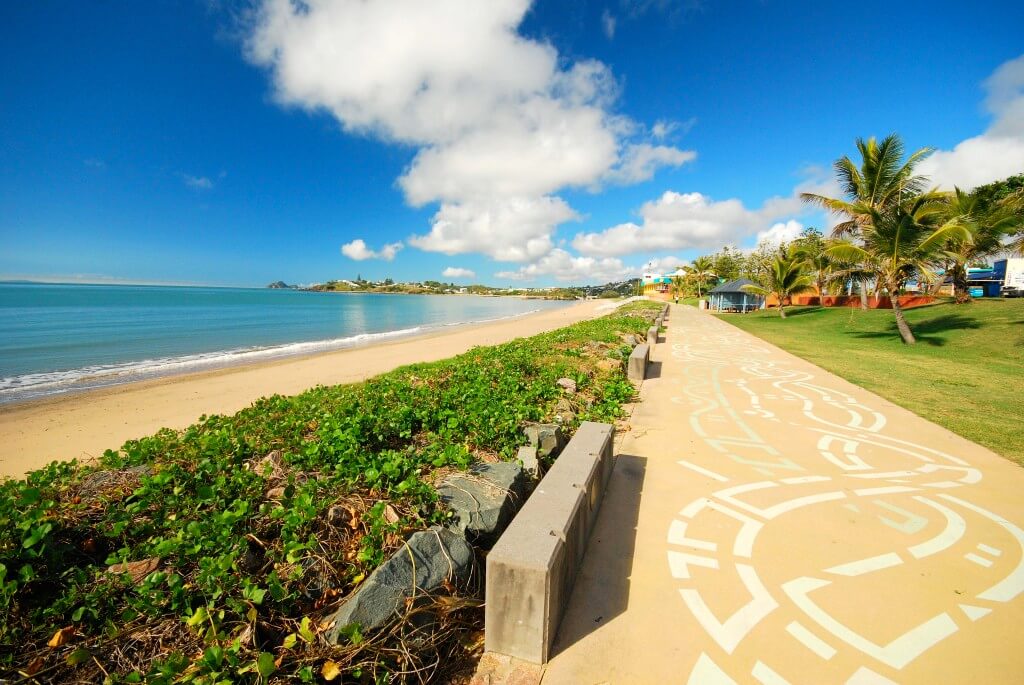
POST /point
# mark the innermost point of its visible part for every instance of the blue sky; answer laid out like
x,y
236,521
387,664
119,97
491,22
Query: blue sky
x,y
235,144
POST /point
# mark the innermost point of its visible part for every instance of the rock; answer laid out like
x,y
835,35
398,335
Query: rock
x,y
426,561
274,493
629,339
339,517
500,669
484,499
565,413
609,364
138,570
546,437
567,384
528,456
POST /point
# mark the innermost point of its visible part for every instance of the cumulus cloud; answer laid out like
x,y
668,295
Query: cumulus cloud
x,y
500,122
639,162
358,251
563,266
999,151
197,182
664,265
782,232
508,230
608,24
694,220
458,272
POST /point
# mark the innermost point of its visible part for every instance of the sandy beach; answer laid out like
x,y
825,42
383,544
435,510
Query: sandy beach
x,y
83,425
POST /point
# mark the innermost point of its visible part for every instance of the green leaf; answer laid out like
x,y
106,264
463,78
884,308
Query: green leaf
x,y
79,656
289,640
265,664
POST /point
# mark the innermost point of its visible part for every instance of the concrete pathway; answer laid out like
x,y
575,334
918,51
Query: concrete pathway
x,y
768,522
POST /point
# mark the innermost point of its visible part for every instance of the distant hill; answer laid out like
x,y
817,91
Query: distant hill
x,y
282,285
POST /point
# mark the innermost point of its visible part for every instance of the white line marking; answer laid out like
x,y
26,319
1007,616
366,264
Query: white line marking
x,y
973,612
980,561
954,530
989,550
897,653
782,508
677,536
805,479
890,490
703,471
679,563
869,565
865,676
1013,584
766,676
707,672
729,634
911,524
743,546
811,641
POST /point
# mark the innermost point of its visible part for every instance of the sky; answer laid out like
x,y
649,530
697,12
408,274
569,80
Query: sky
x,y
504,142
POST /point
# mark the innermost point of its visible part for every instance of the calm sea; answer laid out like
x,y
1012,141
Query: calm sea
x,y
62,338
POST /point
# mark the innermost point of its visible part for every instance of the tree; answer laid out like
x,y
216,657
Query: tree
x,y
678,284
900,242
811,247
987,223
881,182
727,263
784,277
700,272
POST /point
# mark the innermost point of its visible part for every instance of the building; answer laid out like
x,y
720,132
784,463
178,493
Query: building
x,y
659,286
731,297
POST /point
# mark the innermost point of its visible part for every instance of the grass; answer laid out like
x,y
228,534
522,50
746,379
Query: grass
x,y
963,373
236,537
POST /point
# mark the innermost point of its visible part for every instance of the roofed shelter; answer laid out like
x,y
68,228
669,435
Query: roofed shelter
x,y
731,297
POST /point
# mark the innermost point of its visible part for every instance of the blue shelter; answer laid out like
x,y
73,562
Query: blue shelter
x,y
731,297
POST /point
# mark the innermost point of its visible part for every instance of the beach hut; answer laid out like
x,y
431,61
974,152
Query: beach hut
x,y
731,297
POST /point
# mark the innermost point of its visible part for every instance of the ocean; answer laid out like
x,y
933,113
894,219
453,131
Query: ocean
x,y
57,339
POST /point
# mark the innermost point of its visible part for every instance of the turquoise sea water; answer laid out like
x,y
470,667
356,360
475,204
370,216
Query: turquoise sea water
x,y
63,338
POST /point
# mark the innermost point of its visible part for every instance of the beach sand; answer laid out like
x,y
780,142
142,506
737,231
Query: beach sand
x,y
83,425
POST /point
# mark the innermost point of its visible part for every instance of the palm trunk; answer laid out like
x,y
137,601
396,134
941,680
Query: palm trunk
x,y
961,294
864,293
901,322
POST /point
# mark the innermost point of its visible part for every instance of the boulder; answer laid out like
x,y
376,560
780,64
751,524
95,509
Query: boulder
x,y
484,499
565,413
421,566
546,437
567,384
609,364
528,456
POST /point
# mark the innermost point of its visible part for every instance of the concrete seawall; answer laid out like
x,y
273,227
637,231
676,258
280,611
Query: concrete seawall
x,y
531,570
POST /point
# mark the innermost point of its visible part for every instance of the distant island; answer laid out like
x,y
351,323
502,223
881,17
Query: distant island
x,y
608,290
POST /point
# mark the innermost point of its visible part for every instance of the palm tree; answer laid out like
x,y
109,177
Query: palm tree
x,y
901,242
700,272
812,249
677,286
784,277
882,181
987,224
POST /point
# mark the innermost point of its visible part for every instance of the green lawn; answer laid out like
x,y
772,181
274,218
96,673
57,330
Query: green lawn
x,y
965,373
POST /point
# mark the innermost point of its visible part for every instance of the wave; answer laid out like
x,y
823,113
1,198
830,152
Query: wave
x,y
35,385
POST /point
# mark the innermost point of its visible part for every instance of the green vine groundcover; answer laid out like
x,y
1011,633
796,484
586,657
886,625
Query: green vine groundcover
x,y
215,554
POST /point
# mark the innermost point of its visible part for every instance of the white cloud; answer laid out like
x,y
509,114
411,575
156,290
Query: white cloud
x,y
197,182
458,272
512,230
663,129
563,266
500,122
999,151
639,162
664,265
358,251
782,232
694,220
608,24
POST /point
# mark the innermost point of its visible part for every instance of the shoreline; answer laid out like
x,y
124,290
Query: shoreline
x,y
82,425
